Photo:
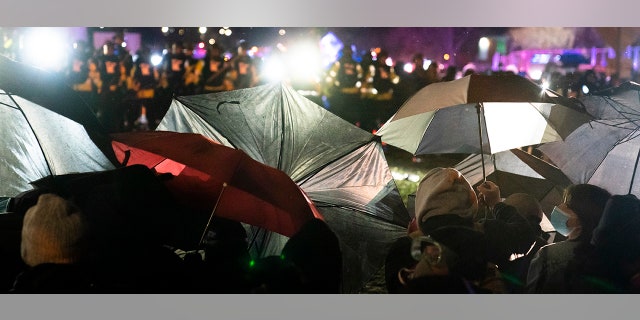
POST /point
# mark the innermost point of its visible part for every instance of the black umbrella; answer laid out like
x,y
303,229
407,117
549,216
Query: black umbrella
x,y
50,90
341,167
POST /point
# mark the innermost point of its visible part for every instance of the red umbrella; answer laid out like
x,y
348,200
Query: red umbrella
x,y
222,180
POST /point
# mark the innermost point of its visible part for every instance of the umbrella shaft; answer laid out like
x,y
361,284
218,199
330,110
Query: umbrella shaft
x,y
479,111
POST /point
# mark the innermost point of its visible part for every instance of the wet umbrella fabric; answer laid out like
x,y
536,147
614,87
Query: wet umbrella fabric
x,y
37,142
210,177
516,171
512,112
50,90
605,151
340,166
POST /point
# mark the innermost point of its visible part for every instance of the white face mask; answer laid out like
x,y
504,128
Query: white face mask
x,y
558,219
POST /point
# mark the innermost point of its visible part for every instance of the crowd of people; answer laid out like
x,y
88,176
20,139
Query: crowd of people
x,y
120,232
467,242
362,88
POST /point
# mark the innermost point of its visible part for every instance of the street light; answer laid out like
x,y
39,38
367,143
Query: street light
x,y
483,48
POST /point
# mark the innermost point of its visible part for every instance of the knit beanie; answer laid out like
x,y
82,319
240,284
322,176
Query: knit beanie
x,y
444,191
52,232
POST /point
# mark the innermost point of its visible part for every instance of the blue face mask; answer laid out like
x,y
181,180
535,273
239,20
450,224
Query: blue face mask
x,y
558,219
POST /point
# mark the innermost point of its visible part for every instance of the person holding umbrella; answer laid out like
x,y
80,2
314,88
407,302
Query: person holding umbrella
x,y
445,198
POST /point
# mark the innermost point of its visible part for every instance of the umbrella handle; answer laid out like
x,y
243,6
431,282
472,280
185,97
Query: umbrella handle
x,y
479,111
224,185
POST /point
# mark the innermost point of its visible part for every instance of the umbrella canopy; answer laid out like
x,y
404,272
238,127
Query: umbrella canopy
x,y
340,166
621,102
480,114
605,151
37,142
516,171
214,178
50,90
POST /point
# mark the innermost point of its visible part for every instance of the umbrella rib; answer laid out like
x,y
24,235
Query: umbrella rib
x,y
282,127
322,204
44,155
314,172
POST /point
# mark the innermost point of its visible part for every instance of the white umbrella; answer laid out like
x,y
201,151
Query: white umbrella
x,y
481,114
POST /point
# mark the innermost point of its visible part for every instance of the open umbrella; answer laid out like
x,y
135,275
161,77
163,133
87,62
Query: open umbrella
x,y
620,102
605,151
341,167
216,179
516,171
50,91
481,114
37,142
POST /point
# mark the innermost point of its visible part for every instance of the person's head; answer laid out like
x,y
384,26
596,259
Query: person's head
x,y
243,48
584,203
420,264
527,205
418,60
347,52
382,56
315,249
444,197
225,244
215,50
177,47
54,231
617,236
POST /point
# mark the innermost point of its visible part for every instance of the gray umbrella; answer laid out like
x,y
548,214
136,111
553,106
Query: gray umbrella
x,y
604,152
341,167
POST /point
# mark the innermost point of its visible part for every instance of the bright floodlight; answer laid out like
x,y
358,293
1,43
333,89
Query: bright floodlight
x,y
202,30
156,59
305,61
408,67
45,48
273,69
282,32
164,29
484,43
